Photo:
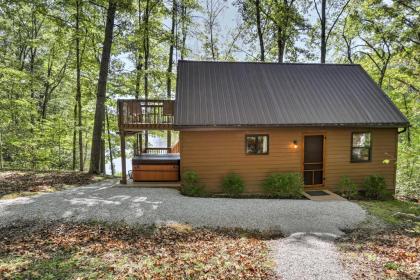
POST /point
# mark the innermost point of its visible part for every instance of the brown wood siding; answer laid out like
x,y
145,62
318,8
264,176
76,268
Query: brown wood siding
x,y
213,154
338,156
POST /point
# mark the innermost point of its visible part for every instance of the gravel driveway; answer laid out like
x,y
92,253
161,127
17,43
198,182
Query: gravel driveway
x,y
103,202
307,253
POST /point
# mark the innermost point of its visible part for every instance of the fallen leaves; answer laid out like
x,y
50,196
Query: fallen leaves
x,y
392,253
33,182
99,251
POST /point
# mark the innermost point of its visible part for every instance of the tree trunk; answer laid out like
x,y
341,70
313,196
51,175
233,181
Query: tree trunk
x,y
323,31
47,85
146,47
259,30
73,166
406,113
123,161
280,44
78,86
103,158
1,151
101,94
213,53
184,28
170,64
139,57
138,69
86,147
111,158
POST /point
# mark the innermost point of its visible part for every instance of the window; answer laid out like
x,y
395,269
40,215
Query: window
x,y
256,144
361,146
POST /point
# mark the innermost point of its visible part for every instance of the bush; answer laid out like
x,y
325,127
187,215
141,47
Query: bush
x,y
347,187
284,185
375,187
233,184
190,184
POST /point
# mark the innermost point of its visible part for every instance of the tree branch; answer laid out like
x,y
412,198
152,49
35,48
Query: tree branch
x,y
336,20
317,11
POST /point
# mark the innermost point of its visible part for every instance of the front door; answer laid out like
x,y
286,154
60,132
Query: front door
x,y
313,160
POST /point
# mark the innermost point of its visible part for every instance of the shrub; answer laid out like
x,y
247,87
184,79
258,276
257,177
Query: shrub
x,y
190,184
347,187
233,184
375,187
284,185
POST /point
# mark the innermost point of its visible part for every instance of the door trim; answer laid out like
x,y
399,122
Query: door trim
x,y
324,159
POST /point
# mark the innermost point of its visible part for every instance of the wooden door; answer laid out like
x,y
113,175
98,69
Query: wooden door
x,y
313,160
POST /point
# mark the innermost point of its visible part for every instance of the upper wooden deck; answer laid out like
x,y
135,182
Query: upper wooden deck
x,y
140,114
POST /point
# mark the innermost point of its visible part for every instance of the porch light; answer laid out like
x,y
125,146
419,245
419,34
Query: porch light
x,y
295,144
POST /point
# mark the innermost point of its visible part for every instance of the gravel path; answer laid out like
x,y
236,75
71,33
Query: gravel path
x,y
102,202
311,256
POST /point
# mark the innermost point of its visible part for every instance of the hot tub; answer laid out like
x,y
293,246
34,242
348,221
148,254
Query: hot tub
x,y
156,168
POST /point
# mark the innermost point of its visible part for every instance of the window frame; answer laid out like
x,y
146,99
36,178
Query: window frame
x,y
364,147
257,135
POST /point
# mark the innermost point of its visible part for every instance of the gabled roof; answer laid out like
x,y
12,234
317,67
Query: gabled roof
x,y
245,94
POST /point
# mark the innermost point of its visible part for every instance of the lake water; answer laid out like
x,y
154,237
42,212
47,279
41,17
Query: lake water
x,y
154,141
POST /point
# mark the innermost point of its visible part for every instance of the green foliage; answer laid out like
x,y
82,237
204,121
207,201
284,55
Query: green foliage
x,y
392,265
347,187
191,184
389,53
375,187
38,64
386,209
233,184
38,75
284,185
408,175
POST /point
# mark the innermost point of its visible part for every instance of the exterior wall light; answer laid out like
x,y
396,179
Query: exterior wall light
x,y
295,144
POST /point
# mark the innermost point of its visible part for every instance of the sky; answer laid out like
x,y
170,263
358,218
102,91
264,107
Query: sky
x,y
228,20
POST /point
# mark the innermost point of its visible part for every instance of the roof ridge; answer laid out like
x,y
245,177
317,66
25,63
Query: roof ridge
x,y
267,62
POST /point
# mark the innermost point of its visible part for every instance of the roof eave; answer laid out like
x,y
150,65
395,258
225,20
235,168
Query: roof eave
x,y
330,125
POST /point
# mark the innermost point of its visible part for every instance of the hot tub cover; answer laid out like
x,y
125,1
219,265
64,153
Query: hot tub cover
x,y
156,159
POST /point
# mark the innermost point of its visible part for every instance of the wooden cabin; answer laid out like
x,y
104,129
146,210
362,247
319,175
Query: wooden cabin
x,y
322,120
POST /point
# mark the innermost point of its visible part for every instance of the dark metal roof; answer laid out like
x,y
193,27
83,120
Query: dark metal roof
x,y
228,94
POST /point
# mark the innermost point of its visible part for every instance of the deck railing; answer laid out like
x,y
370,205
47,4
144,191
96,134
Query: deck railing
x,y
157,151
145,114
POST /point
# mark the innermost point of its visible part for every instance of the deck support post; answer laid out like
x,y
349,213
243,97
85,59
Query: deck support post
x,y
123,162
141,143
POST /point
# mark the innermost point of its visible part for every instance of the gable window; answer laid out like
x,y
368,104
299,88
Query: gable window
x,y
361,146
256,144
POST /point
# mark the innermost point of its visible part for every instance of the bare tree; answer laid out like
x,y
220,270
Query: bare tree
x,y
213,9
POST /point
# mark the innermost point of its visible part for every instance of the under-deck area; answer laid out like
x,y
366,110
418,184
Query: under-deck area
x,y
138,118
